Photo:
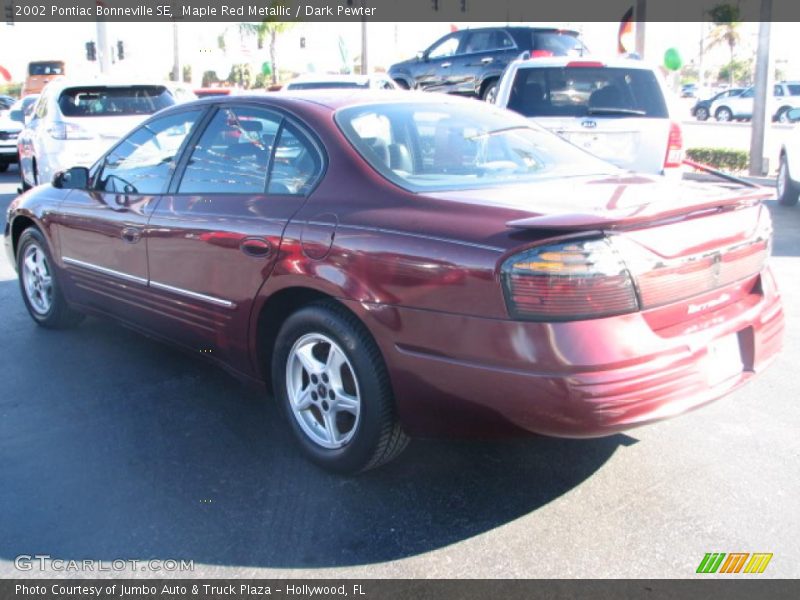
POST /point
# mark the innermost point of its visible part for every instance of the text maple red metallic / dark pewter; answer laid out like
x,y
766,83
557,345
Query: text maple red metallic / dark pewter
x,y
572,305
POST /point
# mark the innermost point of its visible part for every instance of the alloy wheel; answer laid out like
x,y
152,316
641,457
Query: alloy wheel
x,y
323,391
37,279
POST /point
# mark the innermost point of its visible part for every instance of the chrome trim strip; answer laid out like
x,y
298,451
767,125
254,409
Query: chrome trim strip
x,y
195,295
79,263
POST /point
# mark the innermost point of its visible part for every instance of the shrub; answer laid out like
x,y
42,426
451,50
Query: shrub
x,y
726,159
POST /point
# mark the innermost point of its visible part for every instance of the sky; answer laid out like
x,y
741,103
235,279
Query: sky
x,y
148,46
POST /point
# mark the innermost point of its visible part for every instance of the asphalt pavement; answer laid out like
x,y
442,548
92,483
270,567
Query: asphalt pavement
x,y
117,447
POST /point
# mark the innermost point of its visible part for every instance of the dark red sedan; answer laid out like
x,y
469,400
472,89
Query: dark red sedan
x,y
393,264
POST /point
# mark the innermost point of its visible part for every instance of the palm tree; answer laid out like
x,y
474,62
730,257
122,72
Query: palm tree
x,y
726,31
267,27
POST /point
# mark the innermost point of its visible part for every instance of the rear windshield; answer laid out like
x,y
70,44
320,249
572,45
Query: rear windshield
x,y
326,85
46,68
440,146
100,101
581,91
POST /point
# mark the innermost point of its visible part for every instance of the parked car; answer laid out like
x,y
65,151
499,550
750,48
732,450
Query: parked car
x,y
788,180
470,62
785,96
617,109
75,121
318,81
215,91
11,124
5,104
702,108
395,264
689,90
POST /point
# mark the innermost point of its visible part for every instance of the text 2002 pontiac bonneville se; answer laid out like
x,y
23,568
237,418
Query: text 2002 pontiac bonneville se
x,y
393,264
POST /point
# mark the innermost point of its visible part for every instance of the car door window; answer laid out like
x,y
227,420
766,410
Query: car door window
x,y
232,155
480,41
297,164
747,93
446,48
143,162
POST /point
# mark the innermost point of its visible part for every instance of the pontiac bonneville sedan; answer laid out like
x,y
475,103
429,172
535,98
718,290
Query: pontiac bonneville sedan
x,y
395,264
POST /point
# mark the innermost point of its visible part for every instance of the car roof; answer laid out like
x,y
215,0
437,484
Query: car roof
x,y
564,61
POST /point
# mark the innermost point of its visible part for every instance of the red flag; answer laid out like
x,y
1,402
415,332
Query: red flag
x,y
626,37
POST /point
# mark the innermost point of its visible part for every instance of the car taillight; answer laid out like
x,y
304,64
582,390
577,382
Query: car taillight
x,y
568,281
541,53
68,131
585,64
674,156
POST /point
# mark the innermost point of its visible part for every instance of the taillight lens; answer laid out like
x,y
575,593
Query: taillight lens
x,y
674,156
68,131
568,281
541,53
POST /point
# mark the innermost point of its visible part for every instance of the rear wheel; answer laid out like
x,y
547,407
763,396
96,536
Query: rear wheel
x,y
724,114
788,190
39,283
331,382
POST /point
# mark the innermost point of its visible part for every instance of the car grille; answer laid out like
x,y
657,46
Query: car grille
x,y
684,278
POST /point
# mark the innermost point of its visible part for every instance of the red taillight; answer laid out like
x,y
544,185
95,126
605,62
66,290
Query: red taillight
x,y
541,53
586,64
674,156
568,281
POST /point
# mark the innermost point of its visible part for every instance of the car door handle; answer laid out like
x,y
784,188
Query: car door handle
x,y
446,65
487,60
255,247
131,234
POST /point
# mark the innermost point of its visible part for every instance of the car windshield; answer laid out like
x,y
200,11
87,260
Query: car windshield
x,y
440,146
580,91
46,68
100,101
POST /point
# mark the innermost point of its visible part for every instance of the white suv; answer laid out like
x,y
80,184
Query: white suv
x,y
616,109
788,182
75,122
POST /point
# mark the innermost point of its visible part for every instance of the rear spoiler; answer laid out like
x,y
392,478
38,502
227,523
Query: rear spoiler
x,y
636,217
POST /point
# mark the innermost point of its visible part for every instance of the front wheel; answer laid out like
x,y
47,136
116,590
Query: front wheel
x,y
701,114
490,93
788,190
783,115
39,283
331,382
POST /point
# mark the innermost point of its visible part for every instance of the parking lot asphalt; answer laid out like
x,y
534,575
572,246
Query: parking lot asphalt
x,y
113,446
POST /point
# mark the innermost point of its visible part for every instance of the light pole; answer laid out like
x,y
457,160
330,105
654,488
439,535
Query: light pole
x,y
760,104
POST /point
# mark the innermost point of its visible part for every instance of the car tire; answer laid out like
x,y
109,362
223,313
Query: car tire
x,y
701,114
402,84
782,115
35,169
38,281
788,190
323,351
723,114
489,93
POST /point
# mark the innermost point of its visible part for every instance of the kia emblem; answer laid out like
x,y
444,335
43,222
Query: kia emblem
x,y
589,124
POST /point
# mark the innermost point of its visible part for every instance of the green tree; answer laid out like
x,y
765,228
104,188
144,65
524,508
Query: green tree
x,y
726,31
737,72
268,28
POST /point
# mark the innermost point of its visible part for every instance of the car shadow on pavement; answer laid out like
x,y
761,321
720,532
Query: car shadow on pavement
x,y
118,447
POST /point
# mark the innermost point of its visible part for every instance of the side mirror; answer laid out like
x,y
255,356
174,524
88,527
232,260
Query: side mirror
x,y
794,115
76,178
16,115
422,55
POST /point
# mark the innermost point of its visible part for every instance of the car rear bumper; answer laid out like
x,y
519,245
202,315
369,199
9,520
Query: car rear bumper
x,y
578,379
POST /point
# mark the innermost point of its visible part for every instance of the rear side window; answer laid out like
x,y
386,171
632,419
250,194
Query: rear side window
x,y
582,91
101,101
554,43
794,89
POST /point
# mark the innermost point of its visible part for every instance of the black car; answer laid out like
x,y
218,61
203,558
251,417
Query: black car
x,y
470,62
701,108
